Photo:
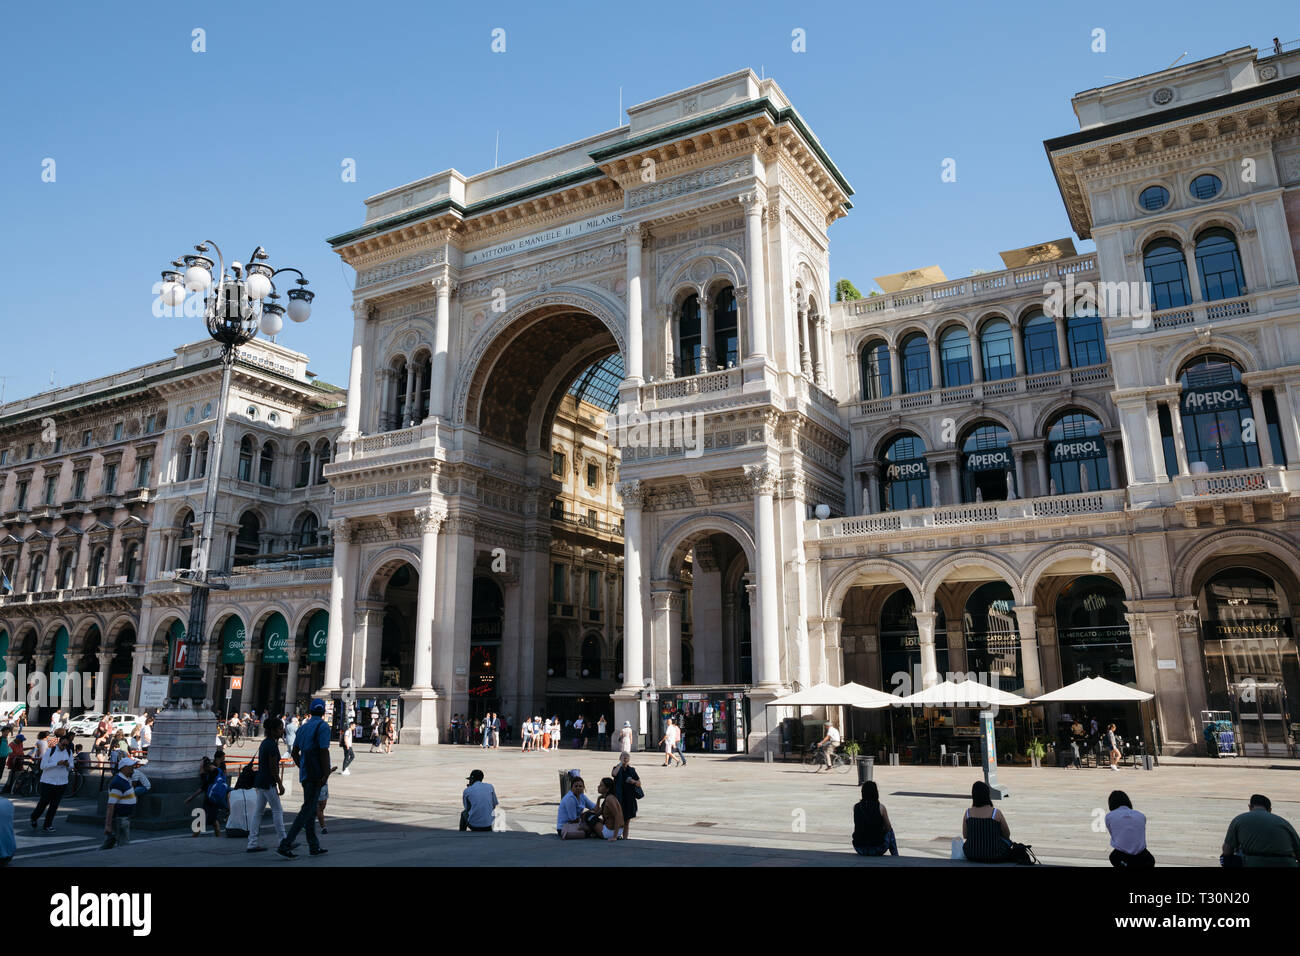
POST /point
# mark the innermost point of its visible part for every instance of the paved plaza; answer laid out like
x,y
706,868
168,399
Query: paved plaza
x,y
402,810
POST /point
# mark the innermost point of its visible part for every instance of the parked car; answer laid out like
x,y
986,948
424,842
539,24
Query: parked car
x,y
10,711
127,723
85,723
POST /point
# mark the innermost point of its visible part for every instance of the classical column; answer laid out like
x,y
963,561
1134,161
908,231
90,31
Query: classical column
x,y
101,682
1021,491
1018,349
352,416
667,603
1040,456
429,520
925,639
252,653
757,281
672,341
1157,444
936,379
340,578
706,334
633,236
441,340
805,345
633,495
1062,345
290,678
1265,440
762,482
1110,462
819,363
1180,446
408,411
1027,622
895,373
872,504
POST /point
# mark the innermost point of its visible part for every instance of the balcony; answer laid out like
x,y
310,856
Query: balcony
x,y
1247,482
1202,312
584,523
974,515
981,391
66,595
675,389
417,441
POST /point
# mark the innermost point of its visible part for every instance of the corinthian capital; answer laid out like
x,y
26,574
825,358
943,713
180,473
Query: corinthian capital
x,y
361,309
632,493
340,531
429,520
761,479
754,202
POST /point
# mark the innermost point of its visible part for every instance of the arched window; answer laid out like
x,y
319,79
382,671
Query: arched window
x,y
250,534
987,468
98,559
1092,631
1216,414
726,340
267,465
954,358
131,563
993,636
324,456
398,414
688,330
201,455
900,644
305,530
875,370
1077,454
1040,343
185,537
184,458
36,574
1166,270
1219,264
425,374
904,475
556,659
1084,338
915,361
304,466
997,350
245,472
590,656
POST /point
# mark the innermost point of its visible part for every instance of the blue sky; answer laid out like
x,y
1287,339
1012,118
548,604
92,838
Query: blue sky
x,y
156,146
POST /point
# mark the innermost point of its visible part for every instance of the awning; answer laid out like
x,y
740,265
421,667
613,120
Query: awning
x,y
869,698
819,695
1094,689
967,693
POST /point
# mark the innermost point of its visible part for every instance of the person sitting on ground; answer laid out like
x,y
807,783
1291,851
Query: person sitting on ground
x,y
611,812
986,837
480,803
873,834
1128,833
1259,837
568,822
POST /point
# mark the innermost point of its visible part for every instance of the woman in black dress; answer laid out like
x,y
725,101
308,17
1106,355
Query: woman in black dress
x,y
626,787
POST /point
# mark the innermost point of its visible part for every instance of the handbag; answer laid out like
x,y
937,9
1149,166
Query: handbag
x,y
1022,853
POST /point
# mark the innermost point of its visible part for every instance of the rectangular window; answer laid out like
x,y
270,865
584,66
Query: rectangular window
x,y
142,469
557,464
592,473
79,485
557,583
593,589
51,486
117,432
31,451
150,424
85,438
4,456
1274,427
22,495
110,478
58,444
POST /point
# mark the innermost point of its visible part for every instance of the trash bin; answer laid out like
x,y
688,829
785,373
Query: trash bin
x,y
566,779
866,768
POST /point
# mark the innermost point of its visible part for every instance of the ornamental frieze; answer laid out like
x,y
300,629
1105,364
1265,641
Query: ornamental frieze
x,y
541,271
688,183
401,267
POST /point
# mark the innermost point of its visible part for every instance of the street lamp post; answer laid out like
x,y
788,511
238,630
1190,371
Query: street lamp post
x,y
237,303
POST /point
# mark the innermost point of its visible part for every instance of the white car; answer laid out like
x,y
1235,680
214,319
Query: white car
x,y
126,723
84,724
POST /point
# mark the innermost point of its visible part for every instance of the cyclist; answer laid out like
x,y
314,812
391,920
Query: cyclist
x,y
828,745
233,728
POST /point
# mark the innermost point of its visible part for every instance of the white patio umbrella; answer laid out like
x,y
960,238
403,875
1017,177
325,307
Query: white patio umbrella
x,y
868,698
1094,689
966,693
819,695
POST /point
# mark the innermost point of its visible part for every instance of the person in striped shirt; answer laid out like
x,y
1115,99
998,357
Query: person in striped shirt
x,y
121,805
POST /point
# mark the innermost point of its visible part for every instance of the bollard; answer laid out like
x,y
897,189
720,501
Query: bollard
x,y
1147,762
866,769
893,760
767,756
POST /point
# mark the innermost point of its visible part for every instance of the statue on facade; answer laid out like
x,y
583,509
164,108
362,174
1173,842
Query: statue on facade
x,y
1011,487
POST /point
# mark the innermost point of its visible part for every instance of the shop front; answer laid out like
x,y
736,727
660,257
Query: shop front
x,y
368,715
712,719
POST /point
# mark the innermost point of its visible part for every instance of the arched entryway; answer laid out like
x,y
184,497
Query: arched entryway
x,y
487,621
397,640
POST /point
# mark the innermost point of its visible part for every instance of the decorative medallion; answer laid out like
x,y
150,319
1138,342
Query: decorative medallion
x,y
1162,96
1268,72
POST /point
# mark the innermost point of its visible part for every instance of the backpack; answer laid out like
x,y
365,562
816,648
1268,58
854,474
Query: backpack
x,y
219,790
247,775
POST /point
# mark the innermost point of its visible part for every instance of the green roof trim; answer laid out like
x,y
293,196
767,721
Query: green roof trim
x,y
603,154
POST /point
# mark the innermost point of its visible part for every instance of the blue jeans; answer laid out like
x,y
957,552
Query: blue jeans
x,y
306,818
889,846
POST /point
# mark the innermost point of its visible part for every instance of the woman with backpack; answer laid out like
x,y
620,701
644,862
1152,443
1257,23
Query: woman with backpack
x,y
215,788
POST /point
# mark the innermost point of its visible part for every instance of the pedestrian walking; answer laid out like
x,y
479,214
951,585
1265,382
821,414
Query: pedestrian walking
x,y
555,733
681,743
146,734
14,762
577,732
873,833
627,789
602,737
1259,837
268,784
625,738
311,754
669,742
496,730
390,734
121,806
345,740
485,735
1128,833
480,802
1112,747
55,766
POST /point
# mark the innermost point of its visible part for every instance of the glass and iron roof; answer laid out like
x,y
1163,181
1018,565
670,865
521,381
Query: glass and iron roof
x,y
599,383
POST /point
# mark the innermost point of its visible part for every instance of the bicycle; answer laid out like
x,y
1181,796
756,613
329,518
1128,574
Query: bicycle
x,y
813,760
26,784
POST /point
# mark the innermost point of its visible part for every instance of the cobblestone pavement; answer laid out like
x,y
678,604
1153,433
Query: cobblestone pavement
x,y
402,809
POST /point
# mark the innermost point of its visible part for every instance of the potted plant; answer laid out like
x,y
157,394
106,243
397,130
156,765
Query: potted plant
x,y
1035,751
851,750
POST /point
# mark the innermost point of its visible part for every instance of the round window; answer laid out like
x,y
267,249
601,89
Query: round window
x,y
1153,198
1205,186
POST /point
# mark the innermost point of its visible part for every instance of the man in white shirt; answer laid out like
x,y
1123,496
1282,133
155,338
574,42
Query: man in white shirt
x,y
828,745
1128,833
480,802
